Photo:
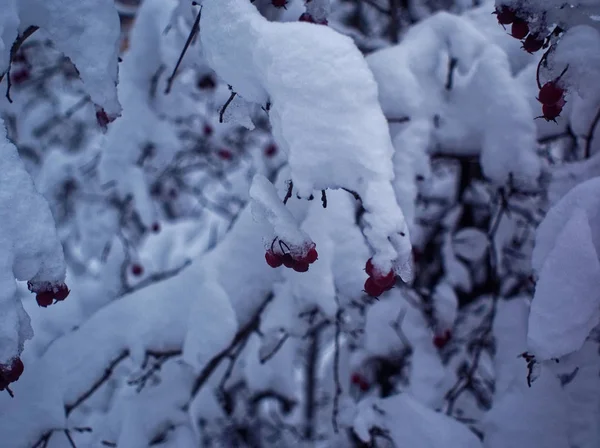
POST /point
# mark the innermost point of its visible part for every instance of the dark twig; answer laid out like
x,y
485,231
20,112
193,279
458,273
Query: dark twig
x,y
590,135
190,38
451,68
324,198
225,106
336,368
290,189
71,441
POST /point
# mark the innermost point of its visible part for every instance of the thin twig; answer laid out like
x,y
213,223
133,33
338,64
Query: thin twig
x,y
190,38
225,106
336,368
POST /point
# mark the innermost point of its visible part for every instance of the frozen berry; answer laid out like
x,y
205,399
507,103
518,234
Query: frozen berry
x,y
206,82
62,292
274,260
155,227
372,288
20,76
208,130
505,15
306,17
532,44
11,373
44,298
311,256
358,380
137,269
279,3
369,267
550,93
384,281
519,29
288,261
550,112
440,340
102,118
271,150
224,154
300,266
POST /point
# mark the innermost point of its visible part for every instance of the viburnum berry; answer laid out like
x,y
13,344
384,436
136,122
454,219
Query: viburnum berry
x,y
311,256
372,288
369,268
288,261
550,112
532,43
44,298
208,130
274,260
206,82
279,3
20,76
300,266
505,15
224,154
550,93
137,269
62,292
271,150
155,227
9,373
102,118
519,29
306,17
440,340
384,281
358,380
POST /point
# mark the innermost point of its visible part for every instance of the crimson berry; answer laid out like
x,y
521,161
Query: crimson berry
x,y
550,112
369,267
271,150
385,281
532,44
11,373
274,260
440,340
306,17
359,381
62,292
372,288
44,298
519,29
224,154
102,118
505,15
155,227
300,266
137,269
311,256
20,76
206,82
208,130
550,93
288,261
279,3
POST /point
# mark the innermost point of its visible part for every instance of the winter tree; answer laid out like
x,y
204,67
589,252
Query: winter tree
x,y
329,223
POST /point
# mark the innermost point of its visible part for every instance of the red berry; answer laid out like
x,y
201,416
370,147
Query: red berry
x,y
274,260
279,3
532,44
552,112
206,82
62,292
372,288
550,93
271,150
384,281
155,227
288,261
519,29
505,15
20,76
44,298
102,118
306,17
440,340
224,154
369,267
11,373
137,269
311,256
358,380
208,130
300,266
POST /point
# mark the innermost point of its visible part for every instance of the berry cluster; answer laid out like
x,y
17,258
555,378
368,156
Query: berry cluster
x,y
359,381
378,282
552,97
306,17
298,260
520,28
9,373
46,294
441,339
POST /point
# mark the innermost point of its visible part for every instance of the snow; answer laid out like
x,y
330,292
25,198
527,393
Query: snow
x,y
87,32
566,306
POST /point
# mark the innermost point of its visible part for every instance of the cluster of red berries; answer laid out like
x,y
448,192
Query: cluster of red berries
x,y
378,282
299,261
441,339
552,97
46,295
9,373
519,29
359,381
306,17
